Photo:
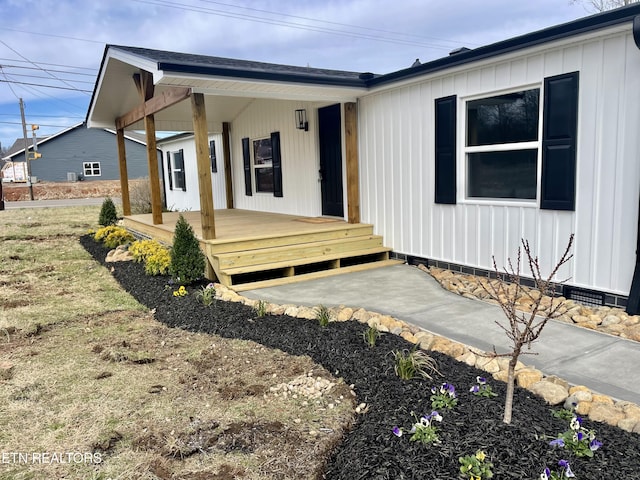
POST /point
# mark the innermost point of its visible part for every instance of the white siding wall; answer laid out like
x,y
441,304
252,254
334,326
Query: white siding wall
x,y
179,200
299,149
396,136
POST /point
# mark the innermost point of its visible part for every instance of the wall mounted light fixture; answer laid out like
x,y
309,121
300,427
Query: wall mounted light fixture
x,y
301,120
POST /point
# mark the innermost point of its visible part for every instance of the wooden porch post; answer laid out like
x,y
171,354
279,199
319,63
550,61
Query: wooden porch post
x,y
351,144
201,138
124,176
154,176
228,179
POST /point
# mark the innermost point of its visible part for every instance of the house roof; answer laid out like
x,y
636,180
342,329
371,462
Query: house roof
x,y
230,85
18,145
235,68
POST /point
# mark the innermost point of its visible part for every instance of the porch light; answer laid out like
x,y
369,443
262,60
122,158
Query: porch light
x,y
301,120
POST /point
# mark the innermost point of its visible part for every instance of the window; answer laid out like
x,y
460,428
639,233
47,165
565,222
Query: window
x,y
505,148
263,165
91,169
176,170
502,145
266,167
212,156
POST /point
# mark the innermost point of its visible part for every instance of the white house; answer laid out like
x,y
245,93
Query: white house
x,y
452,161
180,176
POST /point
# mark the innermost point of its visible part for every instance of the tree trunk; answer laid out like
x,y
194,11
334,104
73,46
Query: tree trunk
x,y
508,401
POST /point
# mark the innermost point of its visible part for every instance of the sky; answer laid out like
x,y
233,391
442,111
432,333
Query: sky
x,y
50,50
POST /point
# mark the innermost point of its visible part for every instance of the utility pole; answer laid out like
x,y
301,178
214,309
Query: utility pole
x,y
26,150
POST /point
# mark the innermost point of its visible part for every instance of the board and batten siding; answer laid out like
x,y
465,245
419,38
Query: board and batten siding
x,y
299,155
396,142
189,199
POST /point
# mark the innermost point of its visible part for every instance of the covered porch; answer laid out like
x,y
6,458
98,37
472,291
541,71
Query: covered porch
x,y
259,249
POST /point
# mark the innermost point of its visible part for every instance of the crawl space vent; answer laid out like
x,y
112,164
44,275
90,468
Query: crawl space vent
x,y
584,297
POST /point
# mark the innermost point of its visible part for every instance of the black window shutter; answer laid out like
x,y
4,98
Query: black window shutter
x,y
180,165
169,171
560,121
212,155
276,161
246,156
445,174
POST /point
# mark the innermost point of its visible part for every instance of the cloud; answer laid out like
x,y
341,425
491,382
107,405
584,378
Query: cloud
x,y
357,35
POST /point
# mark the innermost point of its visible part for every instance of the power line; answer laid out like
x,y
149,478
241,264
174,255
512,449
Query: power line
x,y
39,124
44,63
38,66
331,22
46,86
4,65
299,26
47,78
7,78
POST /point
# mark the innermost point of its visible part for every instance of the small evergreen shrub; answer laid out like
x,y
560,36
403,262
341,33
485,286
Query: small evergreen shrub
x,y
113,236
155,256
108,215
187,260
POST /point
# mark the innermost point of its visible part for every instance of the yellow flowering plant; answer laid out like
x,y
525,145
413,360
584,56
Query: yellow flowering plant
x,y
156,257
476,467
180,292
113,236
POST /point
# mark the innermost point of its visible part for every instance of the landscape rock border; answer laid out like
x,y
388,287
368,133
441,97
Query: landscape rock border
x,y
555,391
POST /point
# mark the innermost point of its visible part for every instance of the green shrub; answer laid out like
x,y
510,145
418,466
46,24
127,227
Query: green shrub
x,y
187,260
261,308
113,236
108,215
323,315
370,336
156,257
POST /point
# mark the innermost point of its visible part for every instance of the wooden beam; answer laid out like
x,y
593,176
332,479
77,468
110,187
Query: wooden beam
x,y
154,175
144,84
153,106
124,176
353,175
201,138
228,179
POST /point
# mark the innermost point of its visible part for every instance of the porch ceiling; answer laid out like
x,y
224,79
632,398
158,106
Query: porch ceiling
x,y
226,96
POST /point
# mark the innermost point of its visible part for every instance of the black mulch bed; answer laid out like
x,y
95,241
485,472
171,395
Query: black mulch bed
x,y
370,450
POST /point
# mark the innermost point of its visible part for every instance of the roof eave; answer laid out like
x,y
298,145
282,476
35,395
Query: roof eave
x,y
261,75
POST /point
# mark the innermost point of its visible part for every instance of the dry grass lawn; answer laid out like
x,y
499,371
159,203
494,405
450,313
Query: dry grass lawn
x,y
92,387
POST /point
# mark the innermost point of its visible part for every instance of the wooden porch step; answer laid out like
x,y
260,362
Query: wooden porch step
x,y
295,254
278,239
284,280
297,262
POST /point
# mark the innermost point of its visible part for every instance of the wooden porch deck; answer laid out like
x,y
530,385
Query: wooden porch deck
x,y
260,249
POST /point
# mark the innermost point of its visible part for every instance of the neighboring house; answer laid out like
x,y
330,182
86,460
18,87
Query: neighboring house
x,y
453,161
82,154
180,177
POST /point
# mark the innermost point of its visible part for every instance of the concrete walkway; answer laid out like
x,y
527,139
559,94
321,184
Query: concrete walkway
x,y
606,364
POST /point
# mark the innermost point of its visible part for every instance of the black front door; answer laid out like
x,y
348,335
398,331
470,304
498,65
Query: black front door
x,y
330,133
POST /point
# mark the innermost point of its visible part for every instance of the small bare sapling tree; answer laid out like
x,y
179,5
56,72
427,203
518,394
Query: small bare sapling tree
x,y
524,327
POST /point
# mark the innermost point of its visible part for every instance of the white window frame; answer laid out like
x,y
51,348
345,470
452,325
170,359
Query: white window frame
x,y
179,171
89,169
463,160
255,167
